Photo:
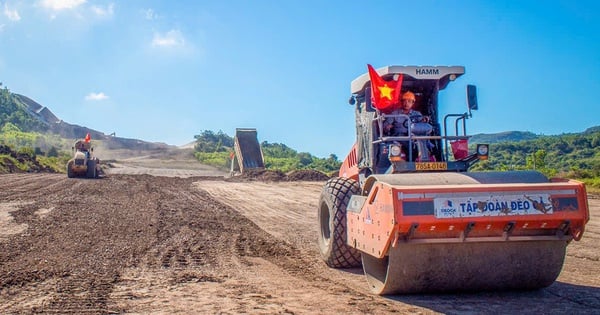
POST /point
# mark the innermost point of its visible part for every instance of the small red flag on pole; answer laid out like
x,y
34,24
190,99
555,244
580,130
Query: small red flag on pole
x,y
88,137
384,94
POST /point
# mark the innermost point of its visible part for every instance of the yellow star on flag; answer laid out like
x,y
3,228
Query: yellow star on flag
x,y
386,92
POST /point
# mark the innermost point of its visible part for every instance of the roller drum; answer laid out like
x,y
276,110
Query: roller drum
x,y
412,268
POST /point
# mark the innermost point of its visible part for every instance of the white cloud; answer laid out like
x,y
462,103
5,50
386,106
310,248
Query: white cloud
x,y
104,11
58,5
12,15
170,39
150,14
96,96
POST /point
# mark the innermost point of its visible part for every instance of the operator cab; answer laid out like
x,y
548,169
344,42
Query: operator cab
x,y
84,147
428,146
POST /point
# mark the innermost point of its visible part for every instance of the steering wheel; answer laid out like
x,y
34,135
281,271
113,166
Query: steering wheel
x,y
414,119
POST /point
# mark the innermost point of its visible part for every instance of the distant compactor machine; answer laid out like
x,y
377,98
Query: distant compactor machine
x,y
421,222
83,163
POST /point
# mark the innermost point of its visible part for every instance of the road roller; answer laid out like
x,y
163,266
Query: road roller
x,y
407,208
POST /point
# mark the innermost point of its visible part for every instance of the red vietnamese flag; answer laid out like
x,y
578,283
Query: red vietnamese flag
x,y
88,137
384,94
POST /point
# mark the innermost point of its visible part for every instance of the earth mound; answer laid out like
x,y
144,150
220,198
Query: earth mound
x,y
15,162
307,175
263,175
278,176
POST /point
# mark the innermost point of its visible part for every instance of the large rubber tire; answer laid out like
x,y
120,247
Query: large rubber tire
x,y
91,169
70,173
333,202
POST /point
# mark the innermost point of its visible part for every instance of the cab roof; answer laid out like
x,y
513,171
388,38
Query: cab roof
x,y
443,74
82,145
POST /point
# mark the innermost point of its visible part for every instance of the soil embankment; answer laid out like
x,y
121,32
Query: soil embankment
x,y
205,244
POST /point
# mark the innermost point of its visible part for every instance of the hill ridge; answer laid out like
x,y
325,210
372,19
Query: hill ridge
x,y
50,123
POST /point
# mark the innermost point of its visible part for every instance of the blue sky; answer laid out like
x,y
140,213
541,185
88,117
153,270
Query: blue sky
x,y
166,70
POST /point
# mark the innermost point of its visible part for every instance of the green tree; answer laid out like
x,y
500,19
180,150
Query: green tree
x,y
29,151
10,128
595,141
209,141
537,160
305,159
52,152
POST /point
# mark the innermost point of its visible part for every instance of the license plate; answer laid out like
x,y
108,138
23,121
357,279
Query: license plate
x,y
431,166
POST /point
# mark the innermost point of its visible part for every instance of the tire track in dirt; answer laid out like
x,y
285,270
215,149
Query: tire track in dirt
x,y
145,244
286,210
162,168
279,209
71,249
83,257
264,202
17,184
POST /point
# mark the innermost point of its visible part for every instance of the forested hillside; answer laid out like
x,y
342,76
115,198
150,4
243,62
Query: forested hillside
x,y
504,137
25,142
215,149
13,111
563,153
574,155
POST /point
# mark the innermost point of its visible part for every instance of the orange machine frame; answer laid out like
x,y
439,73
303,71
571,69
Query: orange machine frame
x,y
376,221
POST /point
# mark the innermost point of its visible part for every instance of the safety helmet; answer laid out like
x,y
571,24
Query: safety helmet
x,y
409,96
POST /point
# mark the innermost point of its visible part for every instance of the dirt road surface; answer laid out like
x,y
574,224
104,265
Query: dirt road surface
x,y
142,244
